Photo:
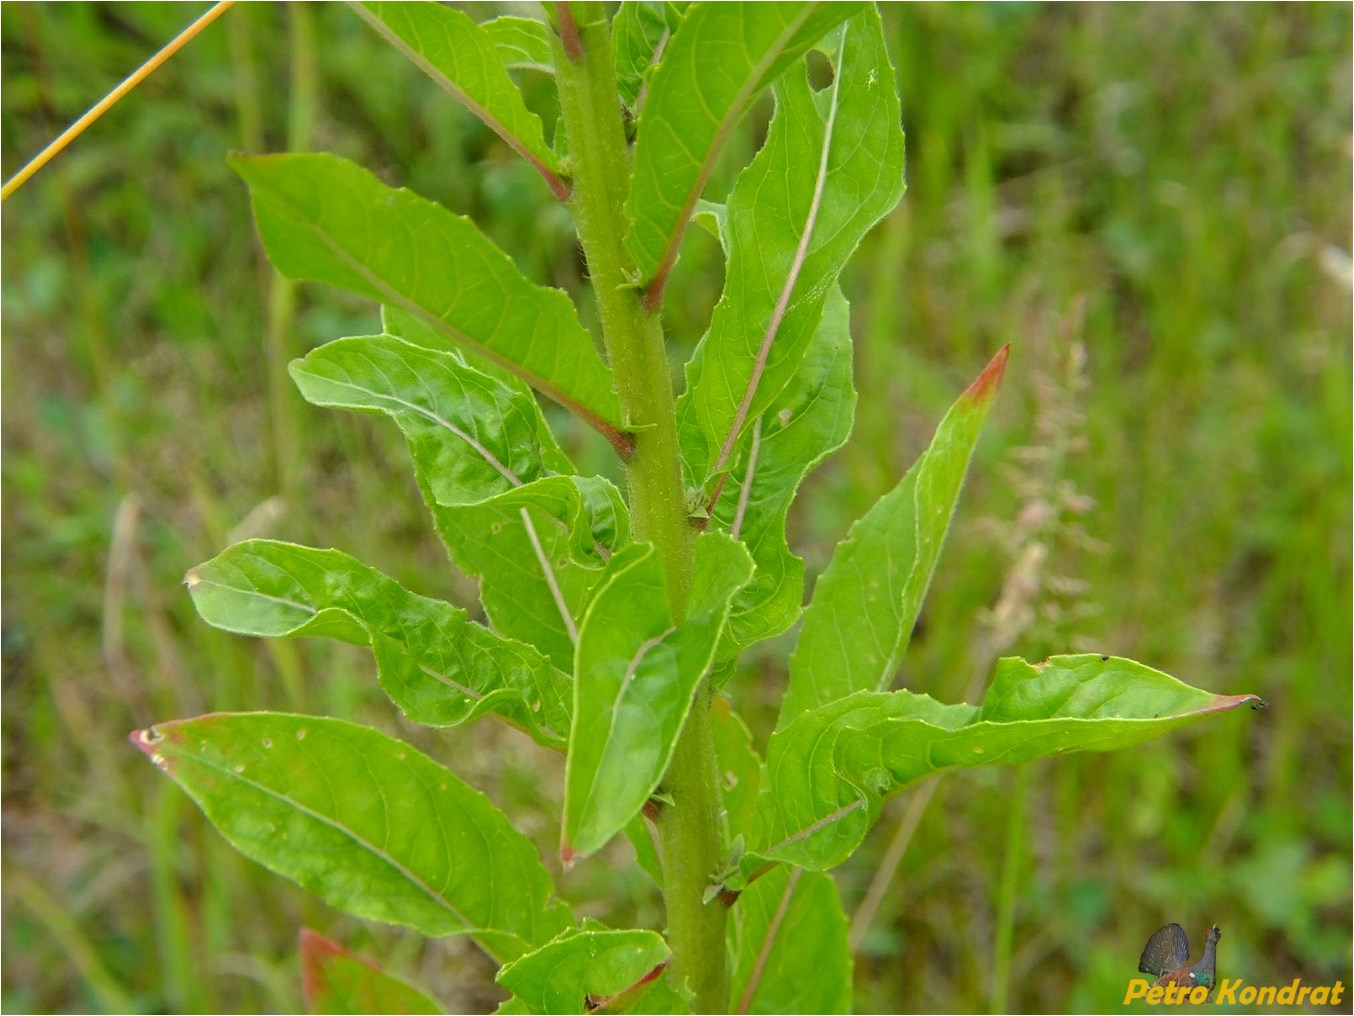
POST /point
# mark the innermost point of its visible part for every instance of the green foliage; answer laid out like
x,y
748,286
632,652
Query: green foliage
x,y
832,166
472,64
640,626
690,111
1209,575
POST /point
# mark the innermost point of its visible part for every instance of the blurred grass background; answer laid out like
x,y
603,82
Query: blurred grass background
x,y
1151,204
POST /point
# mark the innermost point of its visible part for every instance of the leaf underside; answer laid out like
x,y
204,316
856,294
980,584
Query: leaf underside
x,y
493,478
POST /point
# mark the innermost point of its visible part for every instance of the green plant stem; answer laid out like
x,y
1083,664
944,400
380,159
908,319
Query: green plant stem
x,y
1011,866
689,826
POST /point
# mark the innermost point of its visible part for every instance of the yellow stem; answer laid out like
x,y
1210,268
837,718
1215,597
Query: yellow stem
x,y
111,99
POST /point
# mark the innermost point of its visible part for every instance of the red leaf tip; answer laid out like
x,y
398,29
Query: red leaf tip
x,y
315,951
987,383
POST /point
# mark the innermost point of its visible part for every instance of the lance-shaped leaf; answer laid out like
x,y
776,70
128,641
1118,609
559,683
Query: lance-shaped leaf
x,y
439,667
463,58
372,826
485,462
829,770
865,604
831,168
522,43
638,30
635,673
714,66
584,970
789,943
336,981
326,219
809,420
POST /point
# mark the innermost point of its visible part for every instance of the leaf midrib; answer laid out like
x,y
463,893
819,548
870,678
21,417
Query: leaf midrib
x,y
471,927
751,84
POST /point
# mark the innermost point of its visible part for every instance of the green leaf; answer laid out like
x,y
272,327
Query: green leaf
x,y
336,981
636,33
635,673
583,970
440,668
641,837
866,603
656,998
328,220
522,43
466,60
789,944
740,769
831,168
830,769
486,463
372,826
474,435
714,66
809,420
537,555
413,329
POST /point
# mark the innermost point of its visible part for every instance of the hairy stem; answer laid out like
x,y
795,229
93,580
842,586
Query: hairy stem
x,y
689,825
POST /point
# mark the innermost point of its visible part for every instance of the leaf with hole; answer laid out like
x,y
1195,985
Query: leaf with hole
x,y
832,166
717,62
